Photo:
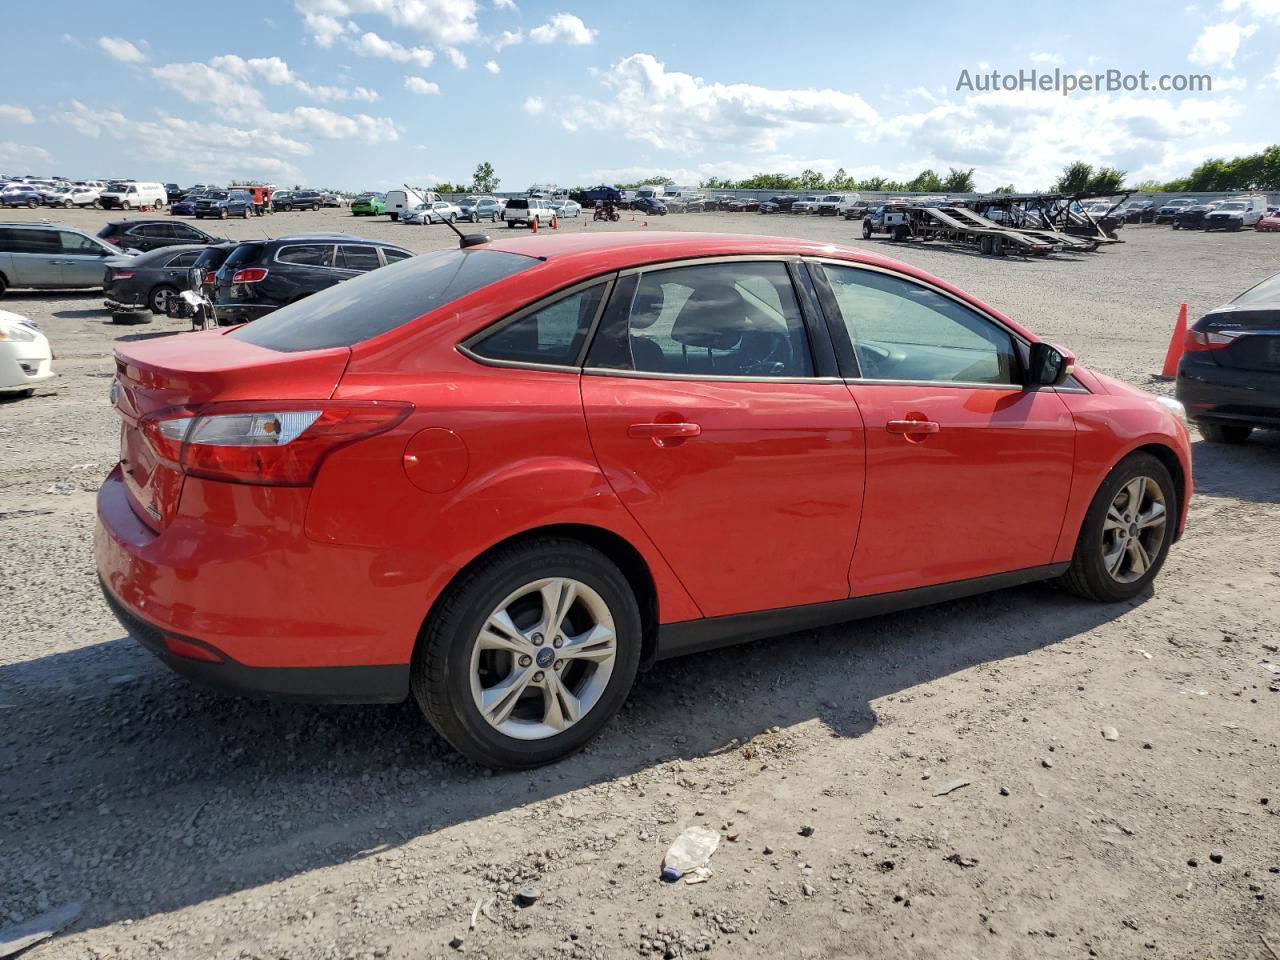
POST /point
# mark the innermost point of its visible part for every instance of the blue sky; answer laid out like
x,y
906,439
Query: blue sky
x,y
368,94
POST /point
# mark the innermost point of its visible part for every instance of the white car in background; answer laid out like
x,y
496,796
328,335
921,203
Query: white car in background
x,y
437,211
567,208
806,205
25,357
72,196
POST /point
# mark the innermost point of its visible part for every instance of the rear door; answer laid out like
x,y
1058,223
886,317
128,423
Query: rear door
x,y
729,440
968,473
32,257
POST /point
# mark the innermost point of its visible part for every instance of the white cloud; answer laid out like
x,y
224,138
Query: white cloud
x,y
456,57
325,29
492,66
509,38
563,28
678,111
446,22
1218,44
25,157
372,45
16,114
505,5
1264,9
1047,58
534,106
418,85
117,48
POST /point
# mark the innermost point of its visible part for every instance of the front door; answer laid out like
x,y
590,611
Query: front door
x,y
705,413
968,473
81,260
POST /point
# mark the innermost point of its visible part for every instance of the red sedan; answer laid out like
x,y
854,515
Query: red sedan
x,y
1269,224
504,478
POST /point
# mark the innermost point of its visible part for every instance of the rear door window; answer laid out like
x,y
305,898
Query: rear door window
x,y
394,255
550,335
187,259
381,300
19,240
307,255
353,257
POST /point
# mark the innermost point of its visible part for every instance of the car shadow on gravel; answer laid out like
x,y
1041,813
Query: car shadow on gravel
x,y
1248,471
126,786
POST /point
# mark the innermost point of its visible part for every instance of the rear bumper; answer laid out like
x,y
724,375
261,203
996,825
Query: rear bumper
x,y
1213,392
229,314
285,616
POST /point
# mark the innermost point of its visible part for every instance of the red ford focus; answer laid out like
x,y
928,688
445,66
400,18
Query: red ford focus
x,y
504,478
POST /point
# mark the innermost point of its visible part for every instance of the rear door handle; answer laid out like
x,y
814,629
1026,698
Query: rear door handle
x,y
910,427
657,432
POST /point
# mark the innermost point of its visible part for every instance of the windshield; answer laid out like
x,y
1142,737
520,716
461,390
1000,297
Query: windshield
x,y
381,300
117,186
215,195
1232,206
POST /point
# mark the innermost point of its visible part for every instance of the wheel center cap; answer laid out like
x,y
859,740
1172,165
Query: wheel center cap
x,y
1133,529
544,656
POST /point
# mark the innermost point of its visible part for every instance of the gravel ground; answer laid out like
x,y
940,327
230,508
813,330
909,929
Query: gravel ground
x,y
189,825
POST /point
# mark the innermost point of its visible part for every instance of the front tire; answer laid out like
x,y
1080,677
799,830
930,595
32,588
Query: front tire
x,y
529,654
1224,432
1126,534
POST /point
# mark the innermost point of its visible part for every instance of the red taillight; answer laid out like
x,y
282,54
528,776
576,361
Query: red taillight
x,y
249,275
122,275
270,443
1198,341
210,276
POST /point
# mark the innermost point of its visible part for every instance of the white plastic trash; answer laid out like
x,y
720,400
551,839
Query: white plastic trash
x,y
691,850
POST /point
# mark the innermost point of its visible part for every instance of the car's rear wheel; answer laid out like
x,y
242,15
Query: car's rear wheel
x,y
1126,533
866,230
1224,432
223,213
159,297
529,654
125,205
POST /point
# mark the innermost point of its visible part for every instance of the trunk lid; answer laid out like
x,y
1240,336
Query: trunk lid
x,y
1255,336
191,370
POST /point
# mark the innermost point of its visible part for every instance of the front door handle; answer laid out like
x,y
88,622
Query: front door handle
x,y
658,432
911,427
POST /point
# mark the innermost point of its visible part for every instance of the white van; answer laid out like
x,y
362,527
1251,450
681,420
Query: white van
x,y
406,201
526,210
132,194
650,192
1235,213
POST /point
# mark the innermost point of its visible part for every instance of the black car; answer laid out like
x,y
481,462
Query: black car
x,y
264,275
778,205
152,234
147,281
1192,218
1229,374
224,203
173,191
856,210
650,205
298,200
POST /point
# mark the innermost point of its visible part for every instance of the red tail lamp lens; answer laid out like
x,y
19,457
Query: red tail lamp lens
x,y
249,275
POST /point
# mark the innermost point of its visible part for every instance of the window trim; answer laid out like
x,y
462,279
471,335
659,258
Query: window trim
x,y
606,280
847,355
333,255
812,332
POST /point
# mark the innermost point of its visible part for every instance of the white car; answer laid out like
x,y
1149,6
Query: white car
x,y
806,205
567,208
72,196
25,357
438,211
527,210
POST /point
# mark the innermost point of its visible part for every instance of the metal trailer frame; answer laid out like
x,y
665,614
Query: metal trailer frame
x,y
1053,212
949,225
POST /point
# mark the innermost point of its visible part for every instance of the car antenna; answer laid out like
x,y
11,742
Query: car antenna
x,y
467,239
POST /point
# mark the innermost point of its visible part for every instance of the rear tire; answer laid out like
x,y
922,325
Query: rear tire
x,y
1089,575
1232,433
866,230
444,678
159,297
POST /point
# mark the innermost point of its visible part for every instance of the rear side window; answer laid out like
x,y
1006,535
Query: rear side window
x,y
307,255
381,300
393,255
187,259
19,240
241,255
358,258
1268,291
517,204
553,334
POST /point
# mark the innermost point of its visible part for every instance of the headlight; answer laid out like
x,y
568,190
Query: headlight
x,y
18,332
1174,407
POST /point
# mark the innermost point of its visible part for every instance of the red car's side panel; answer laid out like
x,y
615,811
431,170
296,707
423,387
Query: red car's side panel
x,y
1111,423
525,463
760,509
985,494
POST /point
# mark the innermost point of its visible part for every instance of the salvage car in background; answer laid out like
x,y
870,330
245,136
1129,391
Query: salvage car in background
x,y
437,211
143,235
505,477
222,204
369,205
1268,224
260,276
40,256
147,281
1192,217
26,360
475,209
1235,214
1229,374
1168,211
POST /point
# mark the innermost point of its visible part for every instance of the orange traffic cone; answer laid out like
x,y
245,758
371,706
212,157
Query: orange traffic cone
x,y
1177,343
555,224
645,224
533,224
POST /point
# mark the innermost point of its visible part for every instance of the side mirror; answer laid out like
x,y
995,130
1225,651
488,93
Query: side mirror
x,y
1049,366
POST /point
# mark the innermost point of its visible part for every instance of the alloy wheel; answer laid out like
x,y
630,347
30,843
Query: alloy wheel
x,y
1134,529
543,658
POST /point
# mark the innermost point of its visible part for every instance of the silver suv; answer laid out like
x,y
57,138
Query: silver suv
x,y
42,256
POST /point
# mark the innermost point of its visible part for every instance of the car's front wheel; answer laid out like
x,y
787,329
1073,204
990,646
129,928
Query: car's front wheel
x,y
529,654
1126,533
